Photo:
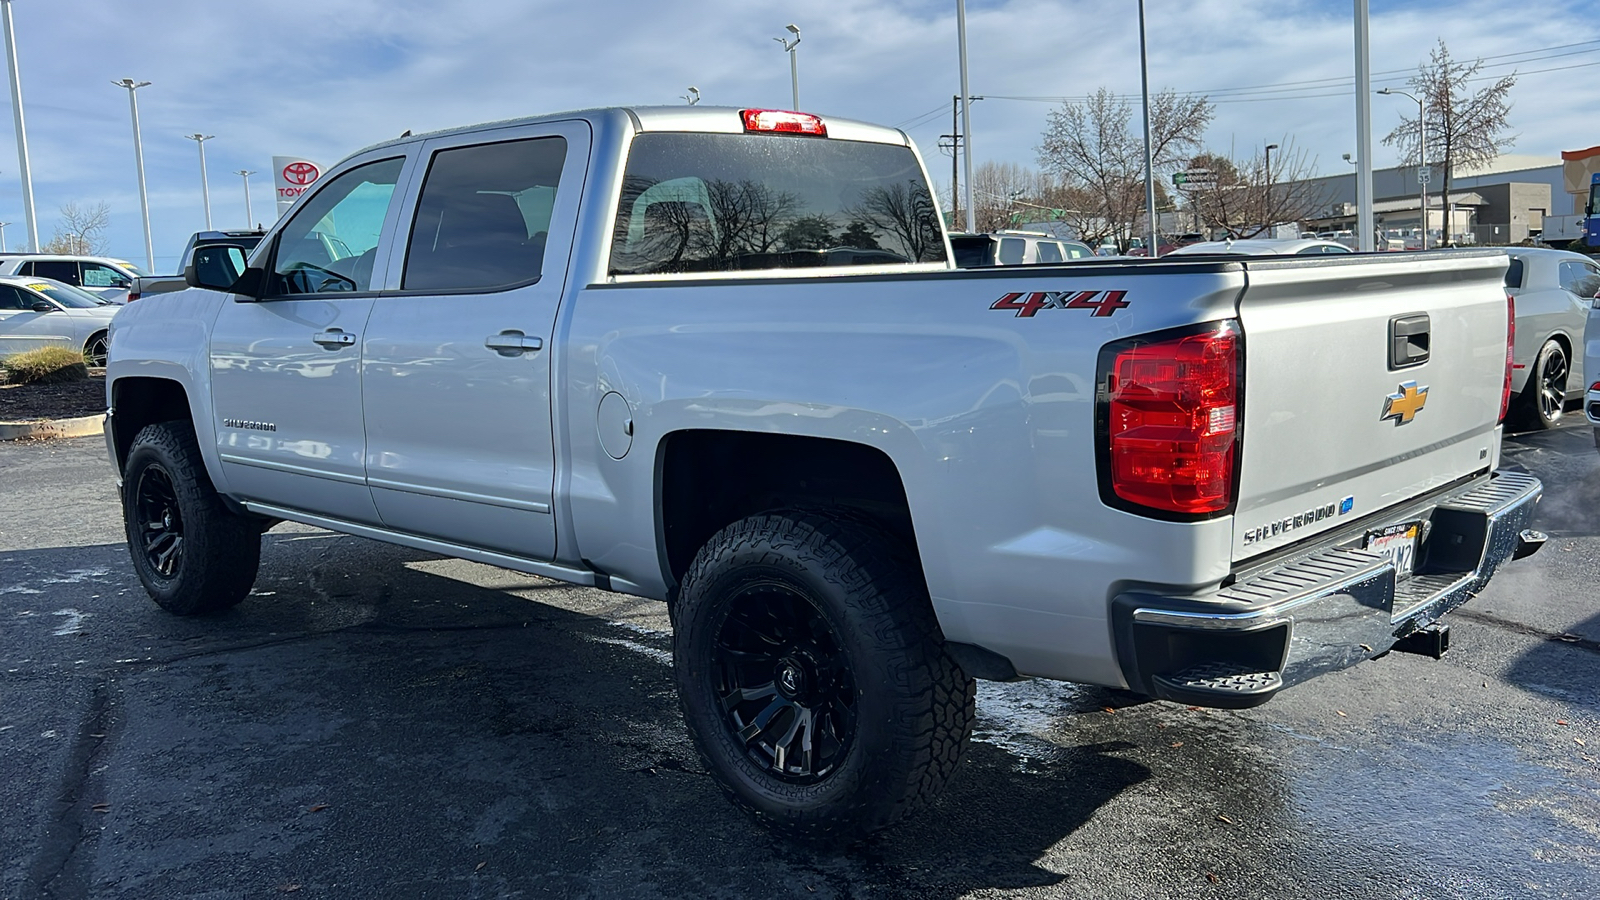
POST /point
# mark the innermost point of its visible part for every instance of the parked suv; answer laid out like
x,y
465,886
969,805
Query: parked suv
x,y
107,276
1014,248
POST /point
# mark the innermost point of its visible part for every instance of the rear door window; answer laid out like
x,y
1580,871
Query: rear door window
x,y
726,202
59,269
1049,252
96,275
1012,250
484,216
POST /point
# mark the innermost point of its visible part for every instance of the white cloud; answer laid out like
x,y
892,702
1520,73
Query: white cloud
x,y
325,78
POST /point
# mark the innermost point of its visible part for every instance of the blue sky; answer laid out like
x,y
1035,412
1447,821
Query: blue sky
x,y
324,78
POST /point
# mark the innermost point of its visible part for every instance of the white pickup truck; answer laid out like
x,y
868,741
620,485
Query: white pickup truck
x,y
720,358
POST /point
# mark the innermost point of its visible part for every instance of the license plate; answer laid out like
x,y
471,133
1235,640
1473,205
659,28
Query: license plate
x,y
1399,543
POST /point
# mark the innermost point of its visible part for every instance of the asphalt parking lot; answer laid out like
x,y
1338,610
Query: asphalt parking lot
x,y
378,722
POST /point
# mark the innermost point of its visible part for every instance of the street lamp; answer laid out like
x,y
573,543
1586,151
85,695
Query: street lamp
x,y
966,111
794,67
248,215
205,188
138,160
693,96
3,234
1422,162
1149,162
1266,206
22,132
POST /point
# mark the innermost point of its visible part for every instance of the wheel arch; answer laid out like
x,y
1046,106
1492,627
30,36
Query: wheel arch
x,y
137,401
707,479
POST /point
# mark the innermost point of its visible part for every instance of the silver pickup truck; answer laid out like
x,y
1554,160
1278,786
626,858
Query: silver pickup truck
x,y
720,358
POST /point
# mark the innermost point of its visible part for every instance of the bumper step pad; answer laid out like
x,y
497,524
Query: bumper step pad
x,y
1221,684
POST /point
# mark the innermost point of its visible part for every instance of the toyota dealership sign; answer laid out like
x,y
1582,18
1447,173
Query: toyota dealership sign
x,y
293,176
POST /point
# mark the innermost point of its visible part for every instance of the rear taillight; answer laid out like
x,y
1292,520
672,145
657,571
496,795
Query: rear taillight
x,y
1511,349
1169,421
783,122
132,296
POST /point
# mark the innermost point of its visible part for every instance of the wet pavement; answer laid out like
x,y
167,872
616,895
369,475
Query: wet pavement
x,y
378,722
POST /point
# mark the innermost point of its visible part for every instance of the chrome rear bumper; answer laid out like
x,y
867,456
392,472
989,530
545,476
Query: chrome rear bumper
x,y
1324,610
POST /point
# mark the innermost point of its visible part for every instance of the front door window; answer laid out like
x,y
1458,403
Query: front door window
x,y
330,244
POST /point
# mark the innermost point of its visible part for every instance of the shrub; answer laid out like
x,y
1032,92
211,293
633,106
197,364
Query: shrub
x,y
46,365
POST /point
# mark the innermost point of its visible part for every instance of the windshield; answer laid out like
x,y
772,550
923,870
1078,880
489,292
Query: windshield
x,y
1594,198
66,295
722,202
137,270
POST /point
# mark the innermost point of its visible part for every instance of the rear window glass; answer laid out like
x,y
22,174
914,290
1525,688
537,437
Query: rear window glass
x,y
725,202
1514,273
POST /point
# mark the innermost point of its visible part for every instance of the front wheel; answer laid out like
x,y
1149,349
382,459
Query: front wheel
x,y
1545,397
813,675
192,554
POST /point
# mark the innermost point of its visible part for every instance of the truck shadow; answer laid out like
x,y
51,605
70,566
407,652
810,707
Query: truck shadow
x,y
373,716
1565,666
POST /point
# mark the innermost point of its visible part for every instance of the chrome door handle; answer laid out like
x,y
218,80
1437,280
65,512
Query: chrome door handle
x,y
513,343
333,338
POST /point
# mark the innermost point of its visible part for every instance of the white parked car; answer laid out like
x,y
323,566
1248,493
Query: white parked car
x,y
39,312
104,276
1591,363
1253,247
1552,290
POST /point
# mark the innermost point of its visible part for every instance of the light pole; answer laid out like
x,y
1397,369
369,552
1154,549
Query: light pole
x,y
1266,206
249,217
3,234
205,188
966,111
794,67
1149,163
138,161
1422,162
22,131
1365,239
693,96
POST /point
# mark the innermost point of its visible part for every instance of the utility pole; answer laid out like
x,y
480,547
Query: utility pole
x,y
1149,162
205,187
249,217
1266,206
794,67
1366,241
22,131
955,158
966,108
138,160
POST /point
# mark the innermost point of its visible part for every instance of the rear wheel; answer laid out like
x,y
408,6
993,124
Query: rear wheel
x,y
1544,398
192,554
813,676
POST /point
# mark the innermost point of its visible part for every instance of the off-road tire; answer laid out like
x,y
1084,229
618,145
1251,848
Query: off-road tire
x,y
1538,408
914,705
220,550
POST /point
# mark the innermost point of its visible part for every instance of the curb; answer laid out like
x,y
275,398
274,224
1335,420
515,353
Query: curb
x,y
83,426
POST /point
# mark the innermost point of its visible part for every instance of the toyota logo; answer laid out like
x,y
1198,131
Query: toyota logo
x,y
301,173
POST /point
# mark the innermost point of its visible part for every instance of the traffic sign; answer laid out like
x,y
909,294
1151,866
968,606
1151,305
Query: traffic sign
x,y
1195,178
1424,175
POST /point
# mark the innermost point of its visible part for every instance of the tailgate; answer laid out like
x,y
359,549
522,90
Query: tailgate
x,y
1334,428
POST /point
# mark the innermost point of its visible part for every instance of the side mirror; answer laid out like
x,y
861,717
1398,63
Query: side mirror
x,y
222,268
41,306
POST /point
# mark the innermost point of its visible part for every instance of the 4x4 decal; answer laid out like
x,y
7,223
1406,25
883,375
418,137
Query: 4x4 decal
x,y
1106,305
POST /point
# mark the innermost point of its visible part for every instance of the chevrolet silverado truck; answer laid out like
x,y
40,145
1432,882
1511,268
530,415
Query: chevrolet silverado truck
x,y
721,358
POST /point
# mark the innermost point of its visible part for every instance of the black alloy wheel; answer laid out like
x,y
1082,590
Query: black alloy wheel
x,y
160,520
787,692
192,553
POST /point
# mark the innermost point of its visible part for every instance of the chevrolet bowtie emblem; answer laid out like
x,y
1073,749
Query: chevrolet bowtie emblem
x,y
1403,405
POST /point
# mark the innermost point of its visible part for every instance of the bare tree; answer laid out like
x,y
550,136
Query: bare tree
x,y
1093,147
81,231
1464,128
1000,191
1246,199
905,210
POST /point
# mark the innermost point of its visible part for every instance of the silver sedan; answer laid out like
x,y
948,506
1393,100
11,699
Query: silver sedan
x,y
39,312
1552,290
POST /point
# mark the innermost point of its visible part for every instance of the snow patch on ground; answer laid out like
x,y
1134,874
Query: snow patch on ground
x,y
659,655
73,623
1014,716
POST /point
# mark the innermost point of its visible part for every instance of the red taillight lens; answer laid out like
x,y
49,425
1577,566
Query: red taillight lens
x,y
1511,349
1172,420
783,122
